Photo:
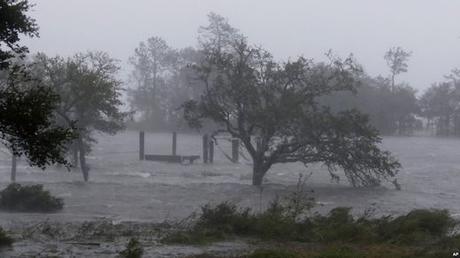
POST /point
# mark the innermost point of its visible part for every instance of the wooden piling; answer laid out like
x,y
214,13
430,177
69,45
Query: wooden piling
x,y
174,144
205,148
141,145
211,151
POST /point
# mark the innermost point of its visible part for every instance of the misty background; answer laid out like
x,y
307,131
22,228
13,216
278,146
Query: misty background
x,y
429,29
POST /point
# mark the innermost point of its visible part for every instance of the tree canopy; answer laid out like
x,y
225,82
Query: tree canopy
x,y
14,22
89,96
274,109
27,124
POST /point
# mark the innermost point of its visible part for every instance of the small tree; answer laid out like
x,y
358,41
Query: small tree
x,y
90,96
396,59
273,109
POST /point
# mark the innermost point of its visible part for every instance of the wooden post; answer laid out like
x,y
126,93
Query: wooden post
x,y
211,151
13,168
235,148
141,145
174,143
205,148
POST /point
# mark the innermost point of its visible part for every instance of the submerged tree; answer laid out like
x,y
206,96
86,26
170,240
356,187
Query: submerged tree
x,y
90,96
27,124
273,109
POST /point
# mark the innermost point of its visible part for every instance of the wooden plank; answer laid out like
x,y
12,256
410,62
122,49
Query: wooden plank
x,y
191,158
205,148
211,151
166,158
171,158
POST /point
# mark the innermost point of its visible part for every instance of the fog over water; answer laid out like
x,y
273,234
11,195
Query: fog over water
x,y
430,29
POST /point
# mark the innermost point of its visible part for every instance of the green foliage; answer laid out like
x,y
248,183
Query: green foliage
x,y
333,251
5,240
90,96
25,99
418,228
14,22
29,199
26,106
133,249
225,220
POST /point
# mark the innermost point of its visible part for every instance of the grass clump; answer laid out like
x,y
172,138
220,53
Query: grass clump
x,y
133,249
418,226
5,240
31,198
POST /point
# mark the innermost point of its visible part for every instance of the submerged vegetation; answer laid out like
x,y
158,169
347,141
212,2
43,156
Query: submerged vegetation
x,y
31,198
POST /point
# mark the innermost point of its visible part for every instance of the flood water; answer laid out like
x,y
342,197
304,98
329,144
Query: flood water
x,y
122,188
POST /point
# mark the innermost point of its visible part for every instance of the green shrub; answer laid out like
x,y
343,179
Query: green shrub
x,y
5,240
278,222
418,226
225,218
133,249
274,253
28,199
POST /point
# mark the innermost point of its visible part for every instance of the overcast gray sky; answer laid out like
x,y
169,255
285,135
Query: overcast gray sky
x,y
288,28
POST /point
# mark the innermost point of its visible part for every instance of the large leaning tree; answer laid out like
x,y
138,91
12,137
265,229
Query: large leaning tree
x,y
27,124
90,97
273,108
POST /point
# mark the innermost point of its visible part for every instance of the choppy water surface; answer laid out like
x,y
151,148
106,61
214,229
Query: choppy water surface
x,y
122,188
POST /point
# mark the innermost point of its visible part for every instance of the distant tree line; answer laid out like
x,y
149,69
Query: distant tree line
x,y
162,80
440,105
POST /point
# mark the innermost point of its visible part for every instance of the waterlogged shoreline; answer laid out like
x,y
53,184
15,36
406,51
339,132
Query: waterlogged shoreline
x,y
103,238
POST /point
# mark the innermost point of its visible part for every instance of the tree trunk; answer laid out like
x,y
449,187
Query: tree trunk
x,y
258,173
75,154
84,168
13,168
